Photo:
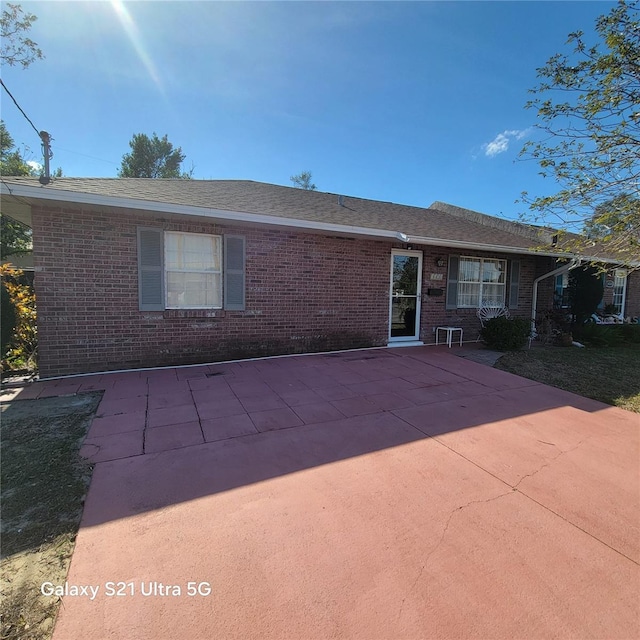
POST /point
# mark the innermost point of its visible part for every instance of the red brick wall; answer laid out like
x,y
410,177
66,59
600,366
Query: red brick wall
x,y
304,292
434,312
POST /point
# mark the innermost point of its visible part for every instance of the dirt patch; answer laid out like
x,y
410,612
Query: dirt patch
x,y
44,482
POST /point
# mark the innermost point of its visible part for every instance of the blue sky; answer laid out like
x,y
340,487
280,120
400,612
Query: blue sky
x,y
407,102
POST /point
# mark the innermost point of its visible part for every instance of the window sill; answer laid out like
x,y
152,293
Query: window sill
x,y
194,313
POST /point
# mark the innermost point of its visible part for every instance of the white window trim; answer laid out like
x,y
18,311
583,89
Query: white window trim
x,y
620,274
218,272
480,282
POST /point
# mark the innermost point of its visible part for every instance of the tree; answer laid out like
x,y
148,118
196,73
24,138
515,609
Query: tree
x,y
16,48
585,292
23,338
611,219
11,161
303,181
15,237
152,158
588,105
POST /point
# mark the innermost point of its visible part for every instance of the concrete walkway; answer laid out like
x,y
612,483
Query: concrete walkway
x,y
375,494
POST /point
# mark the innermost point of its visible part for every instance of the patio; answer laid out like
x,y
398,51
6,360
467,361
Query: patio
x,y
399,493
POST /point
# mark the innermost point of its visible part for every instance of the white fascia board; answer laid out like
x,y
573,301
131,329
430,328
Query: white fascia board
x,y
477,246
460,244
190,210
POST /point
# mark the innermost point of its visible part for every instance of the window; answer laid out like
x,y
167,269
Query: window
x,y
619,289
193,271
481,282
561,292
190,270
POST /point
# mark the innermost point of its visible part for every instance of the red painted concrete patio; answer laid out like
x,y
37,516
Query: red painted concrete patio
x,y
374,494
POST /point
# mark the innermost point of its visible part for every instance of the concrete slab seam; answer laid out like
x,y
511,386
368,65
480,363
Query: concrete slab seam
x,y
197,413
521,492
573,524
146,422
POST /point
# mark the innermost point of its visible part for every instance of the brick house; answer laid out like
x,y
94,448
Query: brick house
x,y
139,273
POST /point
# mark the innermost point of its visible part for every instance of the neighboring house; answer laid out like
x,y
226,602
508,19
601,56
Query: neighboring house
x,y
22,261
138,273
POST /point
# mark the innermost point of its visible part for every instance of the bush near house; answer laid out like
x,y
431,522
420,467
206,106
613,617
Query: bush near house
x,y
609,335
506,334
23,344
7,320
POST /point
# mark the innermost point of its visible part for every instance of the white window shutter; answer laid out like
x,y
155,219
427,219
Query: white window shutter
x,y
234,272
150,269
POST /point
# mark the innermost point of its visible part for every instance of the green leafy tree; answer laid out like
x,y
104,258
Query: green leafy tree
x,y
585,292
588,106
15,237
303,181
152,158
16,48
612,219
11,161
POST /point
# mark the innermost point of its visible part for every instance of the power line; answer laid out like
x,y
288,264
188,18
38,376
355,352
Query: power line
x,y
19,107
77,153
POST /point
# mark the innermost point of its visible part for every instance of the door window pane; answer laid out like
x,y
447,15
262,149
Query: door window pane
x,y
405,275
403,317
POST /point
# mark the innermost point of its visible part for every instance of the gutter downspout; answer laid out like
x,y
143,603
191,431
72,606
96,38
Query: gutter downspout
x,y
575,262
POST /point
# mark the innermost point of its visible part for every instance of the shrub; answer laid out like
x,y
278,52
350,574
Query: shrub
x,y
630,333
8,320
22,352
506,334
598,335
607,335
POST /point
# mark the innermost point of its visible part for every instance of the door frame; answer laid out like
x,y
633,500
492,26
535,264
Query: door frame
x,y
414,339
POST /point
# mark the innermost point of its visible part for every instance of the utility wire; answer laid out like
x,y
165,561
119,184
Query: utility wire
x,y
77,153
10,190
19,107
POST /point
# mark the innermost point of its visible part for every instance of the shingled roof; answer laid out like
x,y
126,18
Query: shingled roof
x,y
442,222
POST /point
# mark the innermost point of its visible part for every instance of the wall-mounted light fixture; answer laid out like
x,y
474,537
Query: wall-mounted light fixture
x,y
440,261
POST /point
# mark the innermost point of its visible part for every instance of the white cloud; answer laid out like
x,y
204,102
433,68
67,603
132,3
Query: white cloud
x,y
500,143
36,166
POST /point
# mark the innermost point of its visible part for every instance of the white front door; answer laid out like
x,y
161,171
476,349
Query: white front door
x,y
405,288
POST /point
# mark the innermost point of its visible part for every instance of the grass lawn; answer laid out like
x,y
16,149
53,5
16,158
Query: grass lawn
x,y
608,374
43,484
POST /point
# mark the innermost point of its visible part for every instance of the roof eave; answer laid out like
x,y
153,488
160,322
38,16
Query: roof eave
x,y
477,246
74,197
58,195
